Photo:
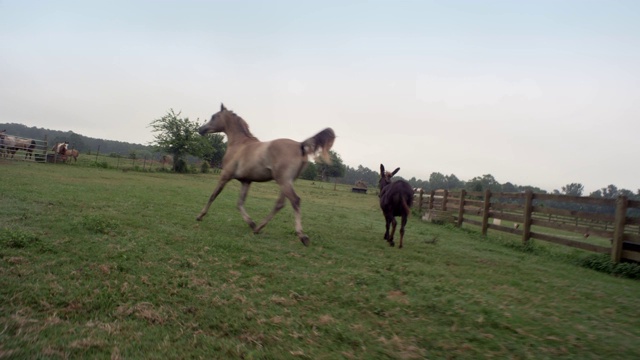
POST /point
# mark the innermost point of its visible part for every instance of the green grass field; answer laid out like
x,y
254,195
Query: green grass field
x,y
102,263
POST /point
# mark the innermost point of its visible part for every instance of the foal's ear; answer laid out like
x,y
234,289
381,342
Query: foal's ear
x,y
381,170
222,108
395,171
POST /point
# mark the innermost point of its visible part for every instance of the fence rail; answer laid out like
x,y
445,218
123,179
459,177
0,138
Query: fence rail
x,y
609,226
35,150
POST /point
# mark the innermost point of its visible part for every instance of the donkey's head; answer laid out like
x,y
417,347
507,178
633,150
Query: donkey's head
x,y
385,177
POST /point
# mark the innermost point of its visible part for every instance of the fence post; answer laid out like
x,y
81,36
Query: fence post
x,y
618,230
420,199
463,193
528,210
485,211
431,196
445,195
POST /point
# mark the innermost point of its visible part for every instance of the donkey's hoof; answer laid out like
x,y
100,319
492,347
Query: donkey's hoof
x,y
392,244
305,240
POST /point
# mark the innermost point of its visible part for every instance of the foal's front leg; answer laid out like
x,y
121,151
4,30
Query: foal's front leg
x,y
279,205
213,196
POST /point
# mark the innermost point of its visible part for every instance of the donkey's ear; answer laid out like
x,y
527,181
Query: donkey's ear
x,y
222,108
381,170
395,171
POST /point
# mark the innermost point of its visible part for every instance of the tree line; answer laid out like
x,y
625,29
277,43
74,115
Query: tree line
x,y
179,137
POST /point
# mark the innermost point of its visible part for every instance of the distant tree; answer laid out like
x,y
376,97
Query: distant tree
x,y
437,181
178,137
76,142
310,172
509,187
335,170
610,192
573,189
596,194
628,193
474,184
483,183
453,182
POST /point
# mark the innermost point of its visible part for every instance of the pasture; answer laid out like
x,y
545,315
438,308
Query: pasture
x,y
101,263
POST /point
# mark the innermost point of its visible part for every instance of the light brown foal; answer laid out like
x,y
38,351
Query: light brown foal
x,y
248,159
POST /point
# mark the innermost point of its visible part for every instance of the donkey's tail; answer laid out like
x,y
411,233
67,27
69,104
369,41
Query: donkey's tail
x,y
322,140
406,207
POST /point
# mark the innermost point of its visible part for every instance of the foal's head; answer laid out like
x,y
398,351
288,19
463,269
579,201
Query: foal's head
x,y
217,122
385,177
226,121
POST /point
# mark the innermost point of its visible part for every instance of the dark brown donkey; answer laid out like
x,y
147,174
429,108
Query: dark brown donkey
x,y
248,159
396,198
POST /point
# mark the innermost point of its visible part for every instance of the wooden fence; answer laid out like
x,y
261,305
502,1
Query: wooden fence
x,y
609,226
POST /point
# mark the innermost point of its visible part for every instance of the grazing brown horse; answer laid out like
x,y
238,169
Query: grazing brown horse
x,y
248,159
73,153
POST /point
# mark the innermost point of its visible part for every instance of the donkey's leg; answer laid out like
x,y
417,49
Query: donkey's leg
x,y
402,224
243,195
393,231
213,196
387,224
279,205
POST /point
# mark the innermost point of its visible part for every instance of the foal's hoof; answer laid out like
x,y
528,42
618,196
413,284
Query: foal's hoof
x,y
305,240
199,218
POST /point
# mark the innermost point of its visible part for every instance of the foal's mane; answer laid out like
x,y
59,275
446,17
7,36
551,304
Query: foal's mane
x,y
242,125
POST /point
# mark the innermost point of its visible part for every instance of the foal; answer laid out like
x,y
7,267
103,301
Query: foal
x,y
248,159
396,199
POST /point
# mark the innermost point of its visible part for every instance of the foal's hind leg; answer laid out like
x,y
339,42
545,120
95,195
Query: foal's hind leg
x,y
289,193
279,205
213,196
243,195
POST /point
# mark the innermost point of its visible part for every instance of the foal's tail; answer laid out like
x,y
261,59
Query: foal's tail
x,y
322,140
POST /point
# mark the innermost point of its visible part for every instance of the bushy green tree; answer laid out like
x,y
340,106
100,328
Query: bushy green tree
x,y
310,172
179,137
213,149
334,170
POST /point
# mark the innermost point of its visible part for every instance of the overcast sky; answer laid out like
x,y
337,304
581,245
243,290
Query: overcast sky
x,y
541,93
